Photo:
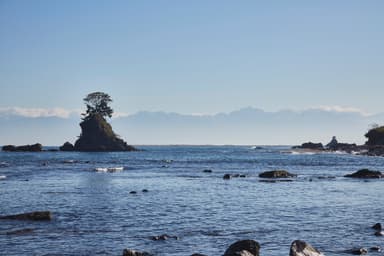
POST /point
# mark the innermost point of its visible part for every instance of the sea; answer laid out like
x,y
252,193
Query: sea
x,y
103,203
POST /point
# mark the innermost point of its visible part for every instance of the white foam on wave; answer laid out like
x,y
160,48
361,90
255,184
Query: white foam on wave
x,y
109,169
2,177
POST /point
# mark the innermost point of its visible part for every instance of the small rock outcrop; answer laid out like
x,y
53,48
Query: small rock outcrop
x,y
33,216
243,248
25,148
67,146
277,174
97,135
129,252
301,248
311,145
365,174
332,145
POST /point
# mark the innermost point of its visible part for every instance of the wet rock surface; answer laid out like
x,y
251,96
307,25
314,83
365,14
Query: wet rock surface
x,y
301,248
243,248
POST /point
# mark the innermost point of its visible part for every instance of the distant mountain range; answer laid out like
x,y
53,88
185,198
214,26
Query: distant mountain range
x,y
248,126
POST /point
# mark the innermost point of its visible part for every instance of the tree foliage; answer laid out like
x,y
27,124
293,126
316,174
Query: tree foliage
x,y
98,103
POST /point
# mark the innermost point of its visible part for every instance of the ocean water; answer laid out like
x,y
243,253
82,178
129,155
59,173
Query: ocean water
x,y
95,213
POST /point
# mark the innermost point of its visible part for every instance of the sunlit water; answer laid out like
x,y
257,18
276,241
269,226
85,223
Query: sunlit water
x,y
95,213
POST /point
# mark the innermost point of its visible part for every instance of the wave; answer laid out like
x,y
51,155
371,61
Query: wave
x,y
109,169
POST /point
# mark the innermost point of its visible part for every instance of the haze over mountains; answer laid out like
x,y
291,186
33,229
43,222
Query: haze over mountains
x,y
247,126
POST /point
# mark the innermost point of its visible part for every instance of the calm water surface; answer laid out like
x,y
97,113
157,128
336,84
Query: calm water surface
x,y
95,214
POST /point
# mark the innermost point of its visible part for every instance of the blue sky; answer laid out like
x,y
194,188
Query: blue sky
x,y
192,56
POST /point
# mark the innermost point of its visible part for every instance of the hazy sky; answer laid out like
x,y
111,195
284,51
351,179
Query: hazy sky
x,y
192,56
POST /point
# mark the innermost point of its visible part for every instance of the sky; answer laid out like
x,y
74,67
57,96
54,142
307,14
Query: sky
x,y
192,57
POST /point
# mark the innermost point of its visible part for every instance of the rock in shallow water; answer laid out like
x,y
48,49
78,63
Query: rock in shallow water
x,y
129,252
35,216
243,248
365,174
377,226
301,248
277,174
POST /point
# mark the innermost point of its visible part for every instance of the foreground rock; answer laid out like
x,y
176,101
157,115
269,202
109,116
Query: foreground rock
x,y
25,148
34,216
276,174
97,135
365,174
301,248
243,248
129,252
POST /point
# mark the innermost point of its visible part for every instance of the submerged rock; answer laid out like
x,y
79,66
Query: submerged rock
x,y
129,252
365,174
35,216
97,135
277,174
25,148
243,248
20,232
163,237
301,248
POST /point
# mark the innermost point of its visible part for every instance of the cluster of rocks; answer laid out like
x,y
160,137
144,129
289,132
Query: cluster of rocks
x,y
96,135
239,248
248,248
333,145
25,148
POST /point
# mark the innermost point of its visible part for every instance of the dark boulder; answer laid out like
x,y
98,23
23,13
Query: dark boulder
x,y
227,176
377,226
34,216
67,146
25,148
97,135
365,174
379,233
207,171
129,252
243,248
277,174
375,249
301,248
357,251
